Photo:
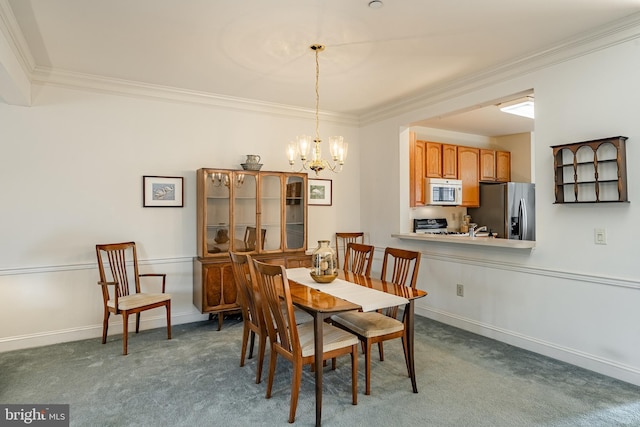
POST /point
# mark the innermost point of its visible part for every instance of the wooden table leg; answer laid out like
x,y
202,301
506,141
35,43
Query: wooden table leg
x,y
318,321
410,347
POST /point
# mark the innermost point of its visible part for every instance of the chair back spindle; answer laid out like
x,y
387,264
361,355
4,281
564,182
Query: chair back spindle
x,y
358,259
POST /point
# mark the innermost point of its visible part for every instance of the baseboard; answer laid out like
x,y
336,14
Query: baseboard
x,y
575,357
94,331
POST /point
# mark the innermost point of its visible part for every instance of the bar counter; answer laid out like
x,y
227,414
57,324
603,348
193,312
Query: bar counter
x,y
466,240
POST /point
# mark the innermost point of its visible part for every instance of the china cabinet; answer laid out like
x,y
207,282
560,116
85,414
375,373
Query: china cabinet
x,y
260,213
591,171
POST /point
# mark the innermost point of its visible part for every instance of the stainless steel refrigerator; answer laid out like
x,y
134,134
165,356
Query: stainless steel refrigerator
x,y
507,208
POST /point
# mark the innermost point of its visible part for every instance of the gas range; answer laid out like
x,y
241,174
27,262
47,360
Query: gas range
x,y
434,226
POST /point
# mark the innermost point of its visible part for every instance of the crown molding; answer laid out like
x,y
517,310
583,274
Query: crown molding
x,y
620,31
11,30
75,80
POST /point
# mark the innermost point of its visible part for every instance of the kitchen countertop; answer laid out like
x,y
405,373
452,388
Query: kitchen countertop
x,y
466,240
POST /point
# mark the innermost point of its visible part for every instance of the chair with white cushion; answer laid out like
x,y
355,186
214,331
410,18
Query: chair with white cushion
x,y
118,267
296,342
377,327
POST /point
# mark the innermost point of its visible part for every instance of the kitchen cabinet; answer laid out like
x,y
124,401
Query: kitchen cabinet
x,y
260,213
449,161
487,165
468,173
433,159
428,159
591,171
503,166
441,160
417,172
495,166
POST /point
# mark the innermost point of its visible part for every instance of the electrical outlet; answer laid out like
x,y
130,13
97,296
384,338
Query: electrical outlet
x,y
600,236
460,290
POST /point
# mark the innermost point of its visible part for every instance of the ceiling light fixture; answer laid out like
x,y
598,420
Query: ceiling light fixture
x,y
337,146
520,107
375,4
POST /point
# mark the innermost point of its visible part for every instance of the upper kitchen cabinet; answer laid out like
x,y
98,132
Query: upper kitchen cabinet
x,y
449,161
503,166
433,159
441,160
495,166
417,172
468,173
487,165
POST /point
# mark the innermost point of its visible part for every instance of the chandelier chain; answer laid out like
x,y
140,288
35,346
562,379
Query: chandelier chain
x,y
317,96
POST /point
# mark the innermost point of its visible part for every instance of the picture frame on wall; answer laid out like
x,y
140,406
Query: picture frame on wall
x,y
162,191
320,192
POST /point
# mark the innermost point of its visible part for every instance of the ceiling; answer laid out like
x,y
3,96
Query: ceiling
x,y
259,50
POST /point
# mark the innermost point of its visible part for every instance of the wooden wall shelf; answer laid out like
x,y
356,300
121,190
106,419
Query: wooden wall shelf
x,y
591,171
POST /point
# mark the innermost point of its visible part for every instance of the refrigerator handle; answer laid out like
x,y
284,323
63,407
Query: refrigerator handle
x,y
522,219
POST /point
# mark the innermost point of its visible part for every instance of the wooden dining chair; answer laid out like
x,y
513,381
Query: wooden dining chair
x,y
400,266
345,239
379,326
252,318
358,259
294,342
118,268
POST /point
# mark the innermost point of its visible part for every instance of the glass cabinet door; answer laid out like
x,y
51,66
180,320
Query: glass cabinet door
x,y
295,212
245,211
271,211
217,212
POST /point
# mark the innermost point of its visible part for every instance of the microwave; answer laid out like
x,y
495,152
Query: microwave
x,y
443,192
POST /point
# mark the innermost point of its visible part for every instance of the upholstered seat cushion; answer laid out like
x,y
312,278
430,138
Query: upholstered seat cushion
x,y
368,324
333,338
129,302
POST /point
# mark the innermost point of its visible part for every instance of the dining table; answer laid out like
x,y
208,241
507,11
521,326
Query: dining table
x,y
350,292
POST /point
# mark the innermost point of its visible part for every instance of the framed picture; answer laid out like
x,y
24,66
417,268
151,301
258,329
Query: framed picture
x,y
163,191
320,192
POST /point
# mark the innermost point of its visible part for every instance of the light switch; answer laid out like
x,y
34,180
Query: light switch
x,y
600,236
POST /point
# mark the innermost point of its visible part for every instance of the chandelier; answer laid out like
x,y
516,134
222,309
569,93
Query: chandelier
x,y
303,144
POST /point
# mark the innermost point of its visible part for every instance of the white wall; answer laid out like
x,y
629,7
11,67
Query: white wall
x,y
567,298
72,167
521,146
